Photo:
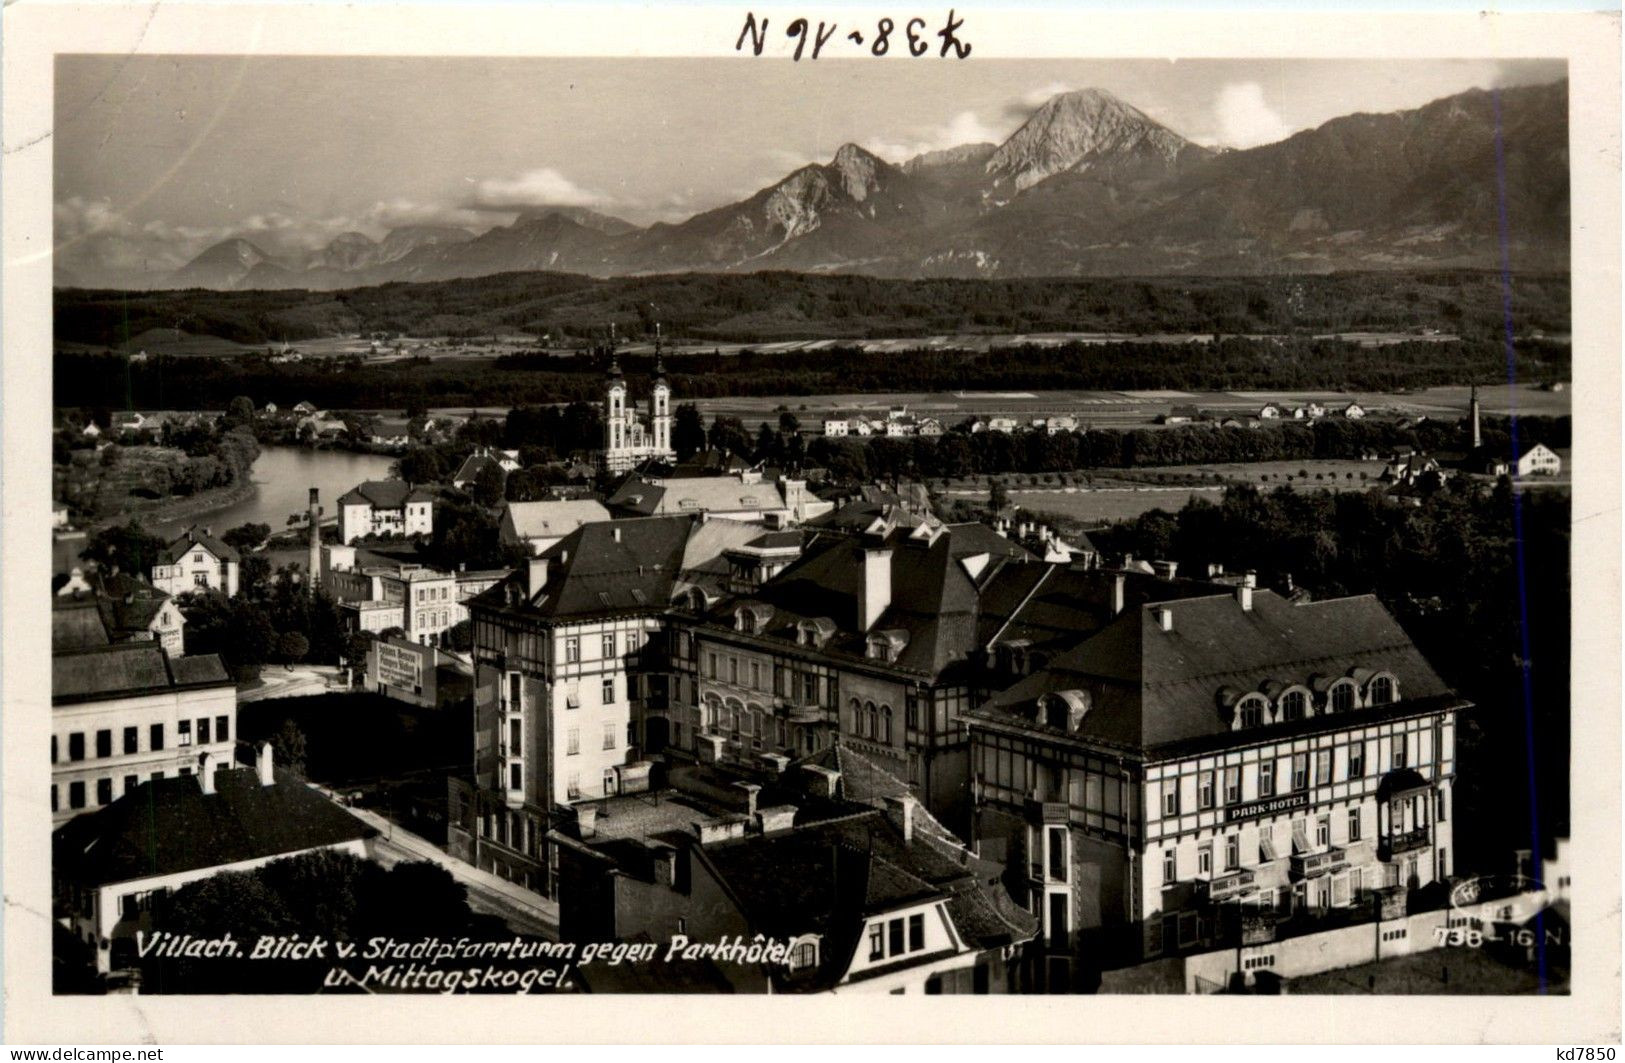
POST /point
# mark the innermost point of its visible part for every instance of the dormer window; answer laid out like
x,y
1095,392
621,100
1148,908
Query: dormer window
x,y
1382,691
804,953
1294,705
1341,698
1252,711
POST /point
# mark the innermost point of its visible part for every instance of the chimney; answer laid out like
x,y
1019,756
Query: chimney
x,y
1478,440
1244,595
262,764
205,772
1165,570
314,565
586,820
1214,570
535,575
750,790
1249,578
820,781
776,819
775,763
1119,595
665,865
903,807
876,586
1165,616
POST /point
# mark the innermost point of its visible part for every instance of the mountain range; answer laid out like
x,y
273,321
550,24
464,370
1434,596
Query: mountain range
x,y
1088,186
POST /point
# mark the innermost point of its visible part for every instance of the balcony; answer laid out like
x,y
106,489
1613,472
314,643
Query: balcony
x,y
800,710
1394,844
1227,887
1308,865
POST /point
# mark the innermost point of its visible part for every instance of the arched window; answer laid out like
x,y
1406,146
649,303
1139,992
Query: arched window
x,y
711,711
1382,691
885,724
1250,711
874,719
1342,697
857,716
1294,705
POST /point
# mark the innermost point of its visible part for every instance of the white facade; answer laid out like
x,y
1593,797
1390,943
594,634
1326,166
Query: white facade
x,y
1539,460
101,749
628,442
361,518
198,569
837,428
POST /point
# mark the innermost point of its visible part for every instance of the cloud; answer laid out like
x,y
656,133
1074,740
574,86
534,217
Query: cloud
x,y
1022,109
1245,119
544,187
966,127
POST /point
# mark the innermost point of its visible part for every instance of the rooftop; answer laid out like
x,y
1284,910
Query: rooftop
x,y
129,669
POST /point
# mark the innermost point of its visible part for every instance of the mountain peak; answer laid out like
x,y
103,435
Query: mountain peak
x,y
1081,130
859,170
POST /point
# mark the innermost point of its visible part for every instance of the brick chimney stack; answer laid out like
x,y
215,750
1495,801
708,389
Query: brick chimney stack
x,y
313,573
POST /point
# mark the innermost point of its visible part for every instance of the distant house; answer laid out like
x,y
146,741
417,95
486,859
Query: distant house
x,y
322,426
133,421
92,609
1001,424
90,430
385,507
196,560
1353,411
111,866
862,427
977,425
468,473
1539,460
538,525
898,426
1269,412
744,497
305,409
270,409
1057,425
930,426
837,427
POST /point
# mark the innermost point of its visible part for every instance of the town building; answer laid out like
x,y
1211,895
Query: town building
x,y
125,713
110,867
830,856
628,442
195,560
836,427
378,593
417,674
1538,460
1215,766
468,473
573,680
744,496
385,507
538,525
92,609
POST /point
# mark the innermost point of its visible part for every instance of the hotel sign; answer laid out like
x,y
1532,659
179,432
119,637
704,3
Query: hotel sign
x,y
1268,807
398,666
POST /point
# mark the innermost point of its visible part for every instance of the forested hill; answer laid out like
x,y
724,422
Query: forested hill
x,y
764,307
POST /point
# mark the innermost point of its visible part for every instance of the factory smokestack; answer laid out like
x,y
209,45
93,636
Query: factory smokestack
x,y
1472,406
314,572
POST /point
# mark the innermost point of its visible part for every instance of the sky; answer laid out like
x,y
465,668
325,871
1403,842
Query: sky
x,y
157,157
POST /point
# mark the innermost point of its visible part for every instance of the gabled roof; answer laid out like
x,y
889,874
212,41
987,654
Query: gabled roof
x,y
194,537
974,537
384,494
76,624
603,568
168,826
473,465
552,520
129,669
1153,688
697,494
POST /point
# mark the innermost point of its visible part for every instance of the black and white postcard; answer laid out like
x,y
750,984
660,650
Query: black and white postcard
x,y
509,507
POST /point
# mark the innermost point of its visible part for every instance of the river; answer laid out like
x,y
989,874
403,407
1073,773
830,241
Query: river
x,y
283,477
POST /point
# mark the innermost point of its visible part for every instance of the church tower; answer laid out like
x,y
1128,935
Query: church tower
x,y
614,409
660,404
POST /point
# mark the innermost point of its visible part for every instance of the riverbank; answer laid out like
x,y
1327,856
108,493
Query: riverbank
x,y
174,510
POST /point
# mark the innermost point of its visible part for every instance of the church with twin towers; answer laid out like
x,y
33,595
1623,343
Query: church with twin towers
x,y
628,441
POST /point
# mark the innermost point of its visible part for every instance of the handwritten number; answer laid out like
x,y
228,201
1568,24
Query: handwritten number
x,y
949,40
916,46
757,35
882,39
798,30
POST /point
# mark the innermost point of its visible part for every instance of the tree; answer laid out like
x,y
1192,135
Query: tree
x,y
421,465
997,497
687,431
460,636
126,548
239,411
291,646
247,538
110,455
253,572
488,484
288,747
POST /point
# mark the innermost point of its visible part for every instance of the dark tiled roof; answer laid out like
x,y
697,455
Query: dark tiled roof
x,y
711,494
472,466
974,537
384,494
76,624
129,669
603,568
1152,688
168,826
195,536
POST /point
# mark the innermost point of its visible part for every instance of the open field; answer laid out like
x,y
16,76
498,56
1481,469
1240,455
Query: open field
x,y
1336,475
1111,504
1457,971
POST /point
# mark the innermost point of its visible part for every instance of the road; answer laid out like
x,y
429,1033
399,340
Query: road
x,y
300,681
525,912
